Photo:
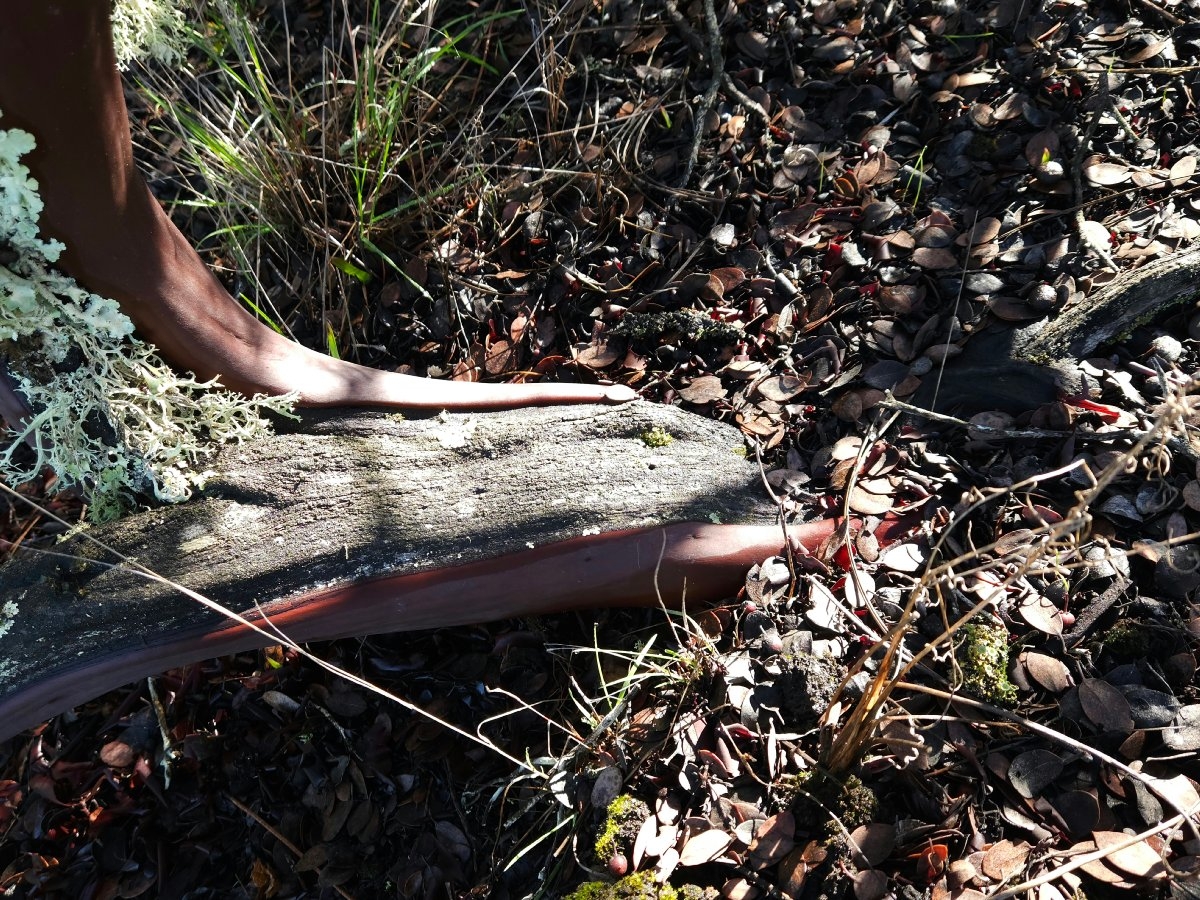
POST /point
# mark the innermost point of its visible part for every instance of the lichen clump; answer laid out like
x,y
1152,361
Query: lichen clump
x,y
683,325
983,658
108,415
148,28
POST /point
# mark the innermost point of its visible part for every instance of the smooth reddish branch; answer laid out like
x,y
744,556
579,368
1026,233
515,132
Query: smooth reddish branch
x,y
59,81
686,563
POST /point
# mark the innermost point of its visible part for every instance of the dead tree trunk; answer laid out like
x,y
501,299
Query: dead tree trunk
x,y
1018,368
353,497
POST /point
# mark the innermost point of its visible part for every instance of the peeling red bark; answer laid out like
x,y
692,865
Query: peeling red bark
x,y
692,564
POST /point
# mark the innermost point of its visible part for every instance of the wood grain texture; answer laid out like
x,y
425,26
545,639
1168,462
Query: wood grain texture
x,y
356,497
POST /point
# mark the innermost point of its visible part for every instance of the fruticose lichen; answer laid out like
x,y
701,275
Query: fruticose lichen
x,y
108,415
147,28
8,612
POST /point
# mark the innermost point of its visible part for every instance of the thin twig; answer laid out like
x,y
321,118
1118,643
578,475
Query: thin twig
x,y
891,402
279,836
1186,815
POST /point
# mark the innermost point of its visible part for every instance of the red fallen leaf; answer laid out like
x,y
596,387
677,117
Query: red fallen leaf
x,y
1106,412
931,862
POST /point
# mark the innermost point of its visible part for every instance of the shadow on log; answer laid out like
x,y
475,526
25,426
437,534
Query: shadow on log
x,y
368,522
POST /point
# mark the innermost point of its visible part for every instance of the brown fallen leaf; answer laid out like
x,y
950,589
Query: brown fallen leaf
x,y
774,839
782,388
1032,771
1052,674
1042,614
1106,173
869,504
1106,706
704,847
871,844
870,884
598,355
1004,859
705,389
1139,860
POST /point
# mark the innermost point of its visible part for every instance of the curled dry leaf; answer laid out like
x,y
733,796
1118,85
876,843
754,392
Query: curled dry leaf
x,y
1049,672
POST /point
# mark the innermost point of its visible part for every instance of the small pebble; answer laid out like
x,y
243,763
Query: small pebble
x,y
1043,298
1167,348
1049,172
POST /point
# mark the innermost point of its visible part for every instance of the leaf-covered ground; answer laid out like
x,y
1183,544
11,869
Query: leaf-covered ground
x,y
786,215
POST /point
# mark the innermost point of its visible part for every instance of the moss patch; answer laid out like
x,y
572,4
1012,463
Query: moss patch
x,y
656,437
624,819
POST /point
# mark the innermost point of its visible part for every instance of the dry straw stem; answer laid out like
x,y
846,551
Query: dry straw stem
x,y
844,750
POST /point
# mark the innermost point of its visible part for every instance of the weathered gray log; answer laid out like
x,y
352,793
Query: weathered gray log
x,y
1019,368
356,496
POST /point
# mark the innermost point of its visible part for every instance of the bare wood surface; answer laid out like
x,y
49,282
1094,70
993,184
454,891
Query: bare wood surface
x,y
362,496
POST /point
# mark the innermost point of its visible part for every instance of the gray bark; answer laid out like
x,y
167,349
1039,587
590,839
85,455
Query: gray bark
x,y
360,495
1018,368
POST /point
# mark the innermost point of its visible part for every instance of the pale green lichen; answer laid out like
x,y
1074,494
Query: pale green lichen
x,y
109,416
148,29
983,658
8,612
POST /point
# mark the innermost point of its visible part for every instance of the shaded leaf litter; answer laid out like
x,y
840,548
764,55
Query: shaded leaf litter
x,y
875,187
